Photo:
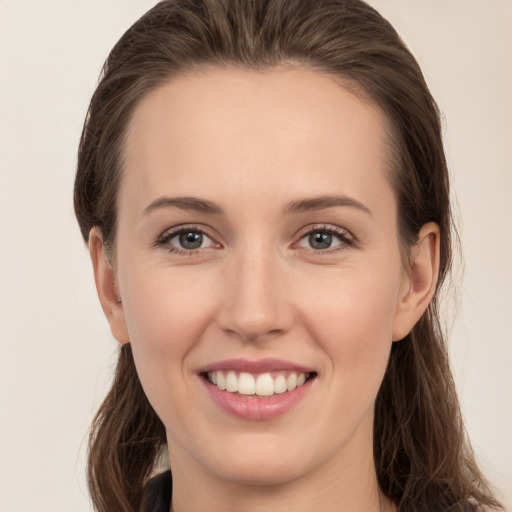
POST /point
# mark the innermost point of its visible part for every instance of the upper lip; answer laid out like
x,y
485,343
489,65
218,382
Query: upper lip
x,y
260,366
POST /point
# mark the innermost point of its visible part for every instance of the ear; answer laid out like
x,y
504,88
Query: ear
x,y
104,276
420,284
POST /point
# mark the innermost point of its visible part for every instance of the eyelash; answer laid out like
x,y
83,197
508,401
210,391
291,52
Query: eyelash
x,y
346,239
167,236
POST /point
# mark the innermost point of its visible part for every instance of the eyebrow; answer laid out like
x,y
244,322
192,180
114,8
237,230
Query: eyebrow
x,y
299,206
184,203
323,202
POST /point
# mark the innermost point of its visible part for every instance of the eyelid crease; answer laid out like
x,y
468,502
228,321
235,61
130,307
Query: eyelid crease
x,y
329,228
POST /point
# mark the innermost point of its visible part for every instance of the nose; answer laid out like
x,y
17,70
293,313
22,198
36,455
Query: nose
x,y
257,301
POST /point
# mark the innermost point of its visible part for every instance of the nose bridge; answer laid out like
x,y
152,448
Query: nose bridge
x,y
256,302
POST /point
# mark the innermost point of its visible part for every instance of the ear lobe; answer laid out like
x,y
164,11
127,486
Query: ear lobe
x,y
104,276
420,286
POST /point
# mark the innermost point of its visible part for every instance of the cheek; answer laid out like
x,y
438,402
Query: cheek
x,y
353,323
166,316
165,307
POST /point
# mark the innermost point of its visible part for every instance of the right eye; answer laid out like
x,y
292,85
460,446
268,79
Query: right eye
x,y
186,240
321,240
189,240
326,239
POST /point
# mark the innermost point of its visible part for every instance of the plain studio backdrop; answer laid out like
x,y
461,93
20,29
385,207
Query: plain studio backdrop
x,y
56,351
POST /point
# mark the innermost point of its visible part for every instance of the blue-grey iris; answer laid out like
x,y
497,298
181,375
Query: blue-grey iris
x,y
320,240
191,240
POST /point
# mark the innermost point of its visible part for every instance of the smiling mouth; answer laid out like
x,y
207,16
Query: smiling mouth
x,y
258,385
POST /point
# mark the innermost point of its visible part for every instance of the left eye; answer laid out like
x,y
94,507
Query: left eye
x,y
322,239
190,239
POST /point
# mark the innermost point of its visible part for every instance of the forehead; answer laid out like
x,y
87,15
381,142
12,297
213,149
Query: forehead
x,y
294,128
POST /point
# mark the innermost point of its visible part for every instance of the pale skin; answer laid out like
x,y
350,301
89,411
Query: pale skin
x,y
269,158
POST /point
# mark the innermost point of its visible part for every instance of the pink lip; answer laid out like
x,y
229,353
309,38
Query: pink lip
x,y
260,366
252,407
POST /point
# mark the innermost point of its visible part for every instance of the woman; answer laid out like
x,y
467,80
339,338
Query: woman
x,y
264,192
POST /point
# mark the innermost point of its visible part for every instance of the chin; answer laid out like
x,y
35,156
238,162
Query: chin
x,y
260,463
265,474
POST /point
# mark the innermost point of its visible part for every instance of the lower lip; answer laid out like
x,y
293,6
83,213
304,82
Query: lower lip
x,y
254,408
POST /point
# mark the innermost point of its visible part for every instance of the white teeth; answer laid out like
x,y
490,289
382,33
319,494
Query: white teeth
x,y
246,384
265,385
231,382
291,382
280,384
221,381
261,385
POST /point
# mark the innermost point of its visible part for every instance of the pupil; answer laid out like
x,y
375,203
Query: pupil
x,y
320,240
191,240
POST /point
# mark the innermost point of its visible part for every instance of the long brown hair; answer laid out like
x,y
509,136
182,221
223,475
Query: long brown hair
x,y
422,457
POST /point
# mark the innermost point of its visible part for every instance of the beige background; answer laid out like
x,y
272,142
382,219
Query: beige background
x,y
56,352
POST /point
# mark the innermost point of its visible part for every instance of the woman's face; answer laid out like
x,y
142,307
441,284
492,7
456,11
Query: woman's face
x,y
257,247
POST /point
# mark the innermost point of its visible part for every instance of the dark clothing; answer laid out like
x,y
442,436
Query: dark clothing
x,y
158,493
